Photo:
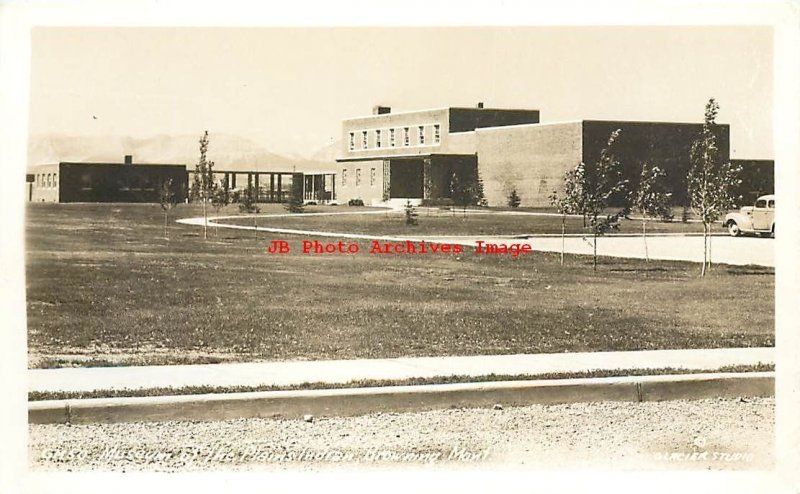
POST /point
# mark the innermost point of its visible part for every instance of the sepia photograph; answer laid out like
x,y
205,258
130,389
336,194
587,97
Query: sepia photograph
x,y
401,248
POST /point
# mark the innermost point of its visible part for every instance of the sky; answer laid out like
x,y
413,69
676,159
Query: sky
x,y
288,89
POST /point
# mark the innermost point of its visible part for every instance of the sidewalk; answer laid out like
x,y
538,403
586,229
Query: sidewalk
x,y
342,371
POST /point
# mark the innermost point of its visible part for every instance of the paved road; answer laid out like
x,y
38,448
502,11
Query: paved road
x,y
343,371
671,247
698,434
724,249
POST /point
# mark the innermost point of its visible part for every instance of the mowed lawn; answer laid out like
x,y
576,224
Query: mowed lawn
x,y
456,222
104,288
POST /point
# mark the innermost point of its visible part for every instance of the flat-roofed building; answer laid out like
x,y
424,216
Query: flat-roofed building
x,y
413,155
104,182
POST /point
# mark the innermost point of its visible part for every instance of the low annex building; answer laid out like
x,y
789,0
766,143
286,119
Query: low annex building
x,y
413,155
103,182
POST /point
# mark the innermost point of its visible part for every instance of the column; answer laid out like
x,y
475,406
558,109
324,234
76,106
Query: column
x,y
271,187
427,179
387,179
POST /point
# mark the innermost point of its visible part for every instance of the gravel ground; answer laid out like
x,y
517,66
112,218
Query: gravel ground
x,y
706,434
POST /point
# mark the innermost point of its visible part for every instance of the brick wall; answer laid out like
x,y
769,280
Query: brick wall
x,y
530,158
360,180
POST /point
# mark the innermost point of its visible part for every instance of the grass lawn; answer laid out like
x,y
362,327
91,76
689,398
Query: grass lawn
x,y
433,222
105,288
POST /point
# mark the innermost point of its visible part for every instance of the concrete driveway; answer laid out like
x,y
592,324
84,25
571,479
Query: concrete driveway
x,y
724,249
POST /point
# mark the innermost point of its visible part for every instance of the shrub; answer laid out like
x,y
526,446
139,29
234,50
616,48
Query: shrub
x,y
513,199
355,202
247,201
411,214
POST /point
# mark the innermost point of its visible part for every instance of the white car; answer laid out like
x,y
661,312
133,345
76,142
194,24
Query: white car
x,y
759,218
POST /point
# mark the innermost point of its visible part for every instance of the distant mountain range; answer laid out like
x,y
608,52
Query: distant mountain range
x,y
228,152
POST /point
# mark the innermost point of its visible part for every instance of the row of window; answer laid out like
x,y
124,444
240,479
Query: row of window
x,y
47,180
388,137
372,174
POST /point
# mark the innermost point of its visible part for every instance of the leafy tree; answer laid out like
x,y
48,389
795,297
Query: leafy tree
x,y
247,200
513,198
220,198
710,180
168,199
480,198
573,191
459,192
588,190
651,198
411,214
203,184
467,190
296,203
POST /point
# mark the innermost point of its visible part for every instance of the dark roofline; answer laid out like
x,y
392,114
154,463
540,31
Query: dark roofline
x,y
647,122
122,164
472,108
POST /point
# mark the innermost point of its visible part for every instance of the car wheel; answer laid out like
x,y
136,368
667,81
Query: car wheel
x,y
733,229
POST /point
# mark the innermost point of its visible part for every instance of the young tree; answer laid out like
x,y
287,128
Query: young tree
x,y
467,190
480,198
296,203
513,199
220,198
411,214
588,191
168,200
203,184
710,180
651,198
247,200
459,192
571,203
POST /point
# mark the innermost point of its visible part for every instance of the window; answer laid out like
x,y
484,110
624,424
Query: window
x,y
48,181
378,138
371,177
352,141
55,181
406,140
358,177
344,177
437,137
364,140
392,141
421,135
771,204
761,203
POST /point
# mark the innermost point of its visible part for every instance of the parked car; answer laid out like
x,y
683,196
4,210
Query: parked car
x,y
759,218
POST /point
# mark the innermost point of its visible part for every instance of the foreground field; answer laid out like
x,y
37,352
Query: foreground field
x,y
104,288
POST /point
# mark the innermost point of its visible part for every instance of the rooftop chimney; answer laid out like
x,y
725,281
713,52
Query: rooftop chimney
x,y
480,104
128,159
381,110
